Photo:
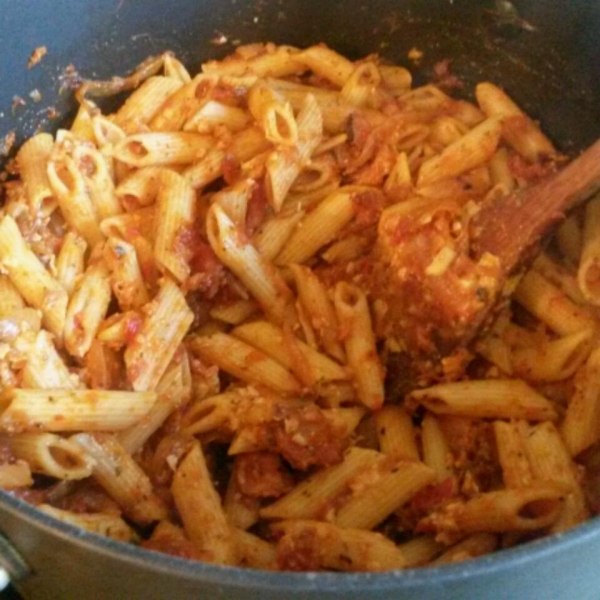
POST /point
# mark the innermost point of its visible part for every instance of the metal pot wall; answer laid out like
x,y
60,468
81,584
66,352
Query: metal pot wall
x,y
546,57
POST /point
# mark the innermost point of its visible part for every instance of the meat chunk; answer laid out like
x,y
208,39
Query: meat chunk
x,y
262,475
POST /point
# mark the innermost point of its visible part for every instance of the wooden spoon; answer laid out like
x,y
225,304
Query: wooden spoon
x,y
437,318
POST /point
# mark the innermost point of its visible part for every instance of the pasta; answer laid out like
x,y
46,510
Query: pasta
x,y
196,325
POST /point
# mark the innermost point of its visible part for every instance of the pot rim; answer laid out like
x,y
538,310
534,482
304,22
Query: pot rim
x,y
503,560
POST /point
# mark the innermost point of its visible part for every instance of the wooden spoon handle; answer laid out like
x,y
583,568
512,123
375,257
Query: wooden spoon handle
x,y
511,227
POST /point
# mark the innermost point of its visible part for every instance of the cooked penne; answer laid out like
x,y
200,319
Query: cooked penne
x,y
139,189
45,369
308,365
50,455
488,399
272,236
151,149
475,545
175,206
520,509
32,159
327,63
98,181
126,277
175,69
173,390
87,308
241,510
275,62
312,498
234,313
234,200
550,462
285,164
436,453
252,317
473,149
556,360
517,128
360,87
69,187
511,440
273,114
588,274
34,282
397,482
252,551
109,525
200,508
551,306
320,226
70,261
121,477
354,319
343,549
569,239
560,276
244,361
145,102
319,308
165,324
72,410
245,145
214,113
579,428
260,277
396,433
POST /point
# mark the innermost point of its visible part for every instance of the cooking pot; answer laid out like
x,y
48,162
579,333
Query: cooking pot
x,y
544,53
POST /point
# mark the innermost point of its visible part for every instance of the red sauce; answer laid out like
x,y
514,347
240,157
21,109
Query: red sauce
x,y
132,327
258,206
232,169
305,437
433,496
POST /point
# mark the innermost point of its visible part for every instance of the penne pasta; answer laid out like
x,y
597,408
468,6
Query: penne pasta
x,y
86,310
473,149
152,149
244,361
354,319
488,399
165,324
50,455
260,277
72,410
109,525
37,286
200,508
588,274
517,128
32,159
175,206
121,477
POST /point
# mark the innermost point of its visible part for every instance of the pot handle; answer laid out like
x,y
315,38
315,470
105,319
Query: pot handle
x,y
12,566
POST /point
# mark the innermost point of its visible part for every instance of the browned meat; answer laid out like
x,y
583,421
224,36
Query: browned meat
x,y
262,475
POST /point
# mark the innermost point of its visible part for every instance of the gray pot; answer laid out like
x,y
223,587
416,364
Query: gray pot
x,y
552,71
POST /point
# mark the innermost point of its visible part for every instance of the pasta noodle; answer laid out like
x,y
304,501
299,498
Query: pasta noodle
x,y
207,301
